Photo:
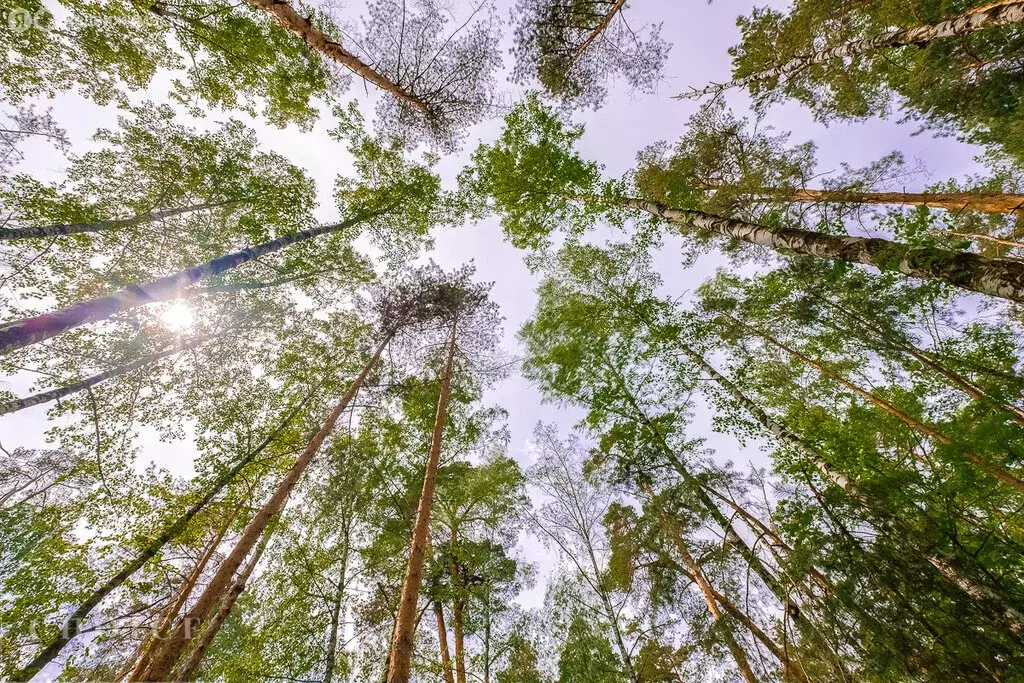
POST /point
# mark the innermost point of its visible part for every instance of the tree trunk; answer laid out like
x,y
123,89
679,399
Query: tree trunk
x,y
186,670
995,277
403,641
74,387
442,639
290,20
978,19
41,231
73,624
915,424
219,584
171,613
336,614
709,599
458,628
27,331
986,202
602,25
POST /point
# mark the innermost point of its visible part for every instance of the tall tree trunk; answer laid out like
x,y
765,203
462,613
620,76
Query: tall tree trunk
x,y
459,630
290,20
601,27
27,331
221,581
41,231
995,277
336,614
169,616
978,19
986,202
73,624
81,385
724,629
187,669
403,641
912,422
442,639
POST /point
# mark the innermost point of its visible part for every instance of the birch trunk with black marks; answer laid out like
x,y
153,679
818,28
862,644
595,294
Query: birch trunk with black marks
x,y
221,581
73,625
402,643
995,277
978,19
28,331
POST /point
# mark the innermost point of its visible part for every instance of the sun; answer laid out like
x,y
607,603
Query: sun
x,y
177,317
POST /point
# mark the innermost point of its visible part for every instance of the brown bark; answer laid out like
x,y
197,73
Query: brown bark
x,y
174,609
977,19
290,20
708,593
72,626
187,669
952,377
601,27
986,202
915,424
221,581
442,638
458,628
42,231
402,643
996,277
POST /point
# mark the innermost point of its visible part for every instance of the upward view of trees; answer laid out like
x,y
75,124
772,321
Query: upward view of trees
x,y
248,436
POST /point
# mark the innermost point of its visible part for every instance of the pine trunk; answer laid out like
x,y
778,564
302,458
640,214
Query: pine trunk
x,y
978,19
221,581
995,277
169,616
290,20
73,624
985,202
459,630
402,643
708,593
28,331
42,231
186,671
601,27
68,389
442,639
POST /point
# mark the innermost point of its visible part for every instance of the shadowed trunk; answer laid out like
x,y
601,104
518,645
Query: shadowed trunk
x,y
174,609
73,625
403,641
221,581
442,639
978,19
40,231
81,385
28,331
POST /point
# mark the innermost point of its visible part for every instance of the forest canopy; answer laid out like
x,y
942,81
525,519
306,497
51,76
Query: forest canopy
x,y
511,341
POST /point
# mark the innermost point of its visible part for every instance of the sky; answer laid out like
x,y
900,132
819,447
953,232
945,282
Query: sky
x,y
701,34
